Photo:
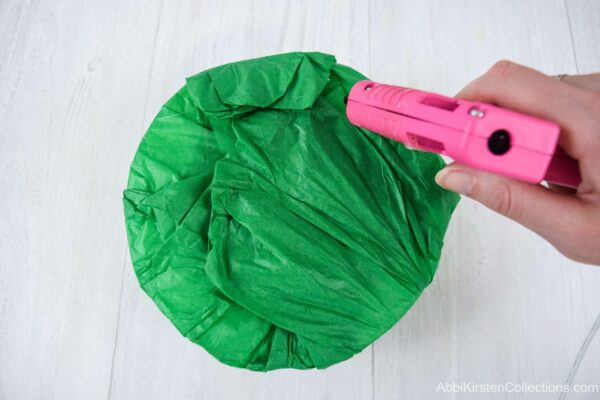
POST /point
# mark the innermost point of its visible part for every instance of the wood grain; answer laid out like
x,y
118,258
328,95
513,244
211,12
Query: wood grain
x,y
584,21
505,306
72,76
234,31
80,82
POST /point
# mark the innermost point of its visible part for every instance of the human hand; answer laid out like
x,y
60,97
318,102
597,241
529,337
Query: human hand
x,y
568,219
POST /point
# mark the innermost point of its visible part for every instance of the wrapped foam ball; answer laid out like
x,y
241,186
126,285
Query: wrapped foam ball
x,y
271,231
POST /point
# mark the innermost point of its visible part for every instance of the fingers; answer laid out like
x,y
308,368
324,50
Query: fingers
x,y
552,215
561,189
566,219
523,89
589,81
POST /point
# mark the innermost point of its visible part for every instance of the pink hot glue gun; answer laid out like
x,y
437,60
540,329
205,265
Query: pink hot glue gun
x,y
475,134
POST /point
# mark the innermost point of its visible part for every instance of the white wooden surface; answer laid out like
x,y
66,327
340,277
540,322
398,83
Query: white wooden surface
x,y
81,80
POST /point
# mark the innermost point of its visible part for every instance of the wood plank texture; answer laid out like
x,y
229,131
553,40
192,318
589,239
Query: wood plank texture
x,y
505,306
71,79
80,81
234,31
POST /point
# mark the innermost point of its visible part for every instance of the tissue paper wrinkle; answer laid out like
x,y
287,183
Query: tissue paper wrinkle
x,y
271,231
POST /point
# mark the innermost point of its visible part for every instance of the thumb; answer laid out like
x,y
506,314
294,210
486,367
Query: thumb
x,y
548,213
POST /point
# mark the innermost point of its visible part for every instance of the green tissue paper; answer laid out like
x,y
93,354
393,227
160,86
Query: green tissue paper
x,y
271,231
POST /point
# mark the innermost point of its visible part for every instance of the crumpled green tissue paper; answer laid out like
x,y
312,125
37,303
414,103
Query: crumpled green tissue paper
x,y
271,231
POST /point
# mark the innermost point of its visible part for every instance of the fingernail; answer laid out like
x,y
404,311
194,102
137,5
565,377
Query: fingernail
x,y
455,180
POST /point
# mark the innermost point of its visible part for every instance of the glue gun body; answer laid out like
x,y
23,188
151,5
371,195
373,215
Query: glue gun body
x,y
479,135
